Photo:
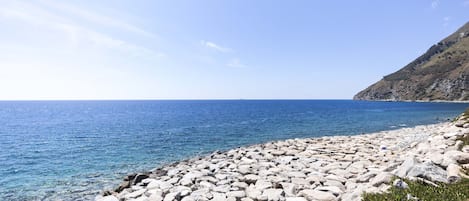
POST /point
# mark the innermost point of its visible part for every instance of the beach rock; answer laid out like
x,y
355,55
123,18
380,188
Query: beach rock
x,y
221,176
146,181
313,195
186,182
163,185
153,184
183,190
314,179
192,175
458,156
158,172
205,184
241,185
295,199
428,171
366,177
289,189
381,178
263,184
222,188
336,191
172,196
405,167
123,185
250,178
252,192
453,172
300,181
173,181
296,174
218,197
173,172
236,194
187,198
336,178
155,197
274,194
108,198
334,183
201,194
436,158
135,194
139,177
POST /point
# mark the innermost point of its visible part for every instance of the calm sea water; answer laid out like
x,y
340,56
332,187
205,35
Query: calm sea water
x,y
71,150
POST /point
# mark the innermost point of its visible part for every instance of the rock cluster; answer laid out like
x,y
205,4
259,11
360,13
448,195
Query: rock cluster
x,y
324,169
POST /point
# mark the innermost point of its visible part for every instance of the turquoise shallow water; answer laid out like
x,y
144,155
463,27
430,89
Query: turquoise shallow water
x,y
71,150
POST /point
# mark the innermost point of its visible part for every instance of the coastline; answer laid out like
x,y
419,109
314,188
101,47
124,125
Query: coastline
x,y
415,101
324,168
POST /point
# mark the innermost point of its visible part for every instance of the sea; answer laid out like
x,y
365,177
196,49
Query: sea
x,y
72,150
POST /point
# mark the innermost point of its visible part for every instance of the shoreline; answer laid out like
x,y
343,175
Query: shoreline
x,y
415,101
322,168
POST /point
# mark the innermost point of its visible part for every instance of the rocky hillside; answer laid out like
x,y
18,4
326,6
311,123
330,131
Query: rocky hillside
x,y
442,73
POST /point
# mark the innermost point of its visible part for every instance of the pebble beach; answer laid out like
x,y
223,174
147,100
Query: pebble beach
x,y
324,169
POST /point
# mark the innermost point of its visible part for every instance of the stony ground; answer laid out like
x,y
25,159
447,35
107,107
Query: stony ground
x,y
326,168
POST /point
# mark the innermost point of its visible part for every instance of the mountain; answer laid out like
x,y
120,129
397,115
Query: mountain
x,y
442,73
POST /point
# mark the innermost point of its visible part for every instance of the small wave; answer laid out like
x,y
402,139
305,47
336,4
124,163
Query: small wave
x,y
85,137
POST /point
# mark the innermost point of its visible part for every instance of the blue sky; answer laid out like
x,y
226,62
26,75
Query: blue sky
x,y
212,49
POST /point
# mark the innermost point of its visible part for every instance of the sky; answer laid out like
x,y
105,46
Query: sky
x,y
212,49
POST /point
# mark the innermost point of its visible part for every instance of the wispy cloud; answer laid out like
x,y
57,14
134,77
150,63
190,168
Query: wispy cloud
x,y
39,16
95,17
435,4
446,20
236,63
215,46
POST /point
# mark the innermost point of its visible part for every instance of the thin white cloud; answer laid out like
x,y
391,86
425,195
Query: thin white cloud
x,y
95,18
435,4
215,46
236,63
37,16
446,20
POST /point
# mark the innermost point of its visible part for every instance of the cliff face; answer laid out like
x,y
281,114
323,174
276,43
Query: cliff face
x,y
442,73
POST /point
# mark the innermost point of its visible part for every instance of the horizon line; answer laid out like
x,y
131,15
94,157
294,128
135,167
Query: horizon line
x,y
170,99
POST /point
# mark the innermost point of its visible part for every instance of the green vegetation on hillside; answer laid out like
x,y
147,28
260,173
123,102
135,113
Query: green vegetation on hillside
x,y
441,73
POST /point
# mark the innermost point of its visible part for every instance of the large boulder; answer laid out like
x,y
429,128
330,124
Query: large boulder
x,y
428,171
405,167
458,156
453,171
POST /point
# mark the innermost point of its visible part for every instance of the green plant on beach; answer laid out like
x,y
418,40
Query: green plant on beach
x,y
464,139
465,115
424,192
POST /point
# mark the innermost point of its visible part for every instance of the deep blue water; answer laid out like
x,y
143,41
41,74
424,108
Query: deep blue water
x,y
71,150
